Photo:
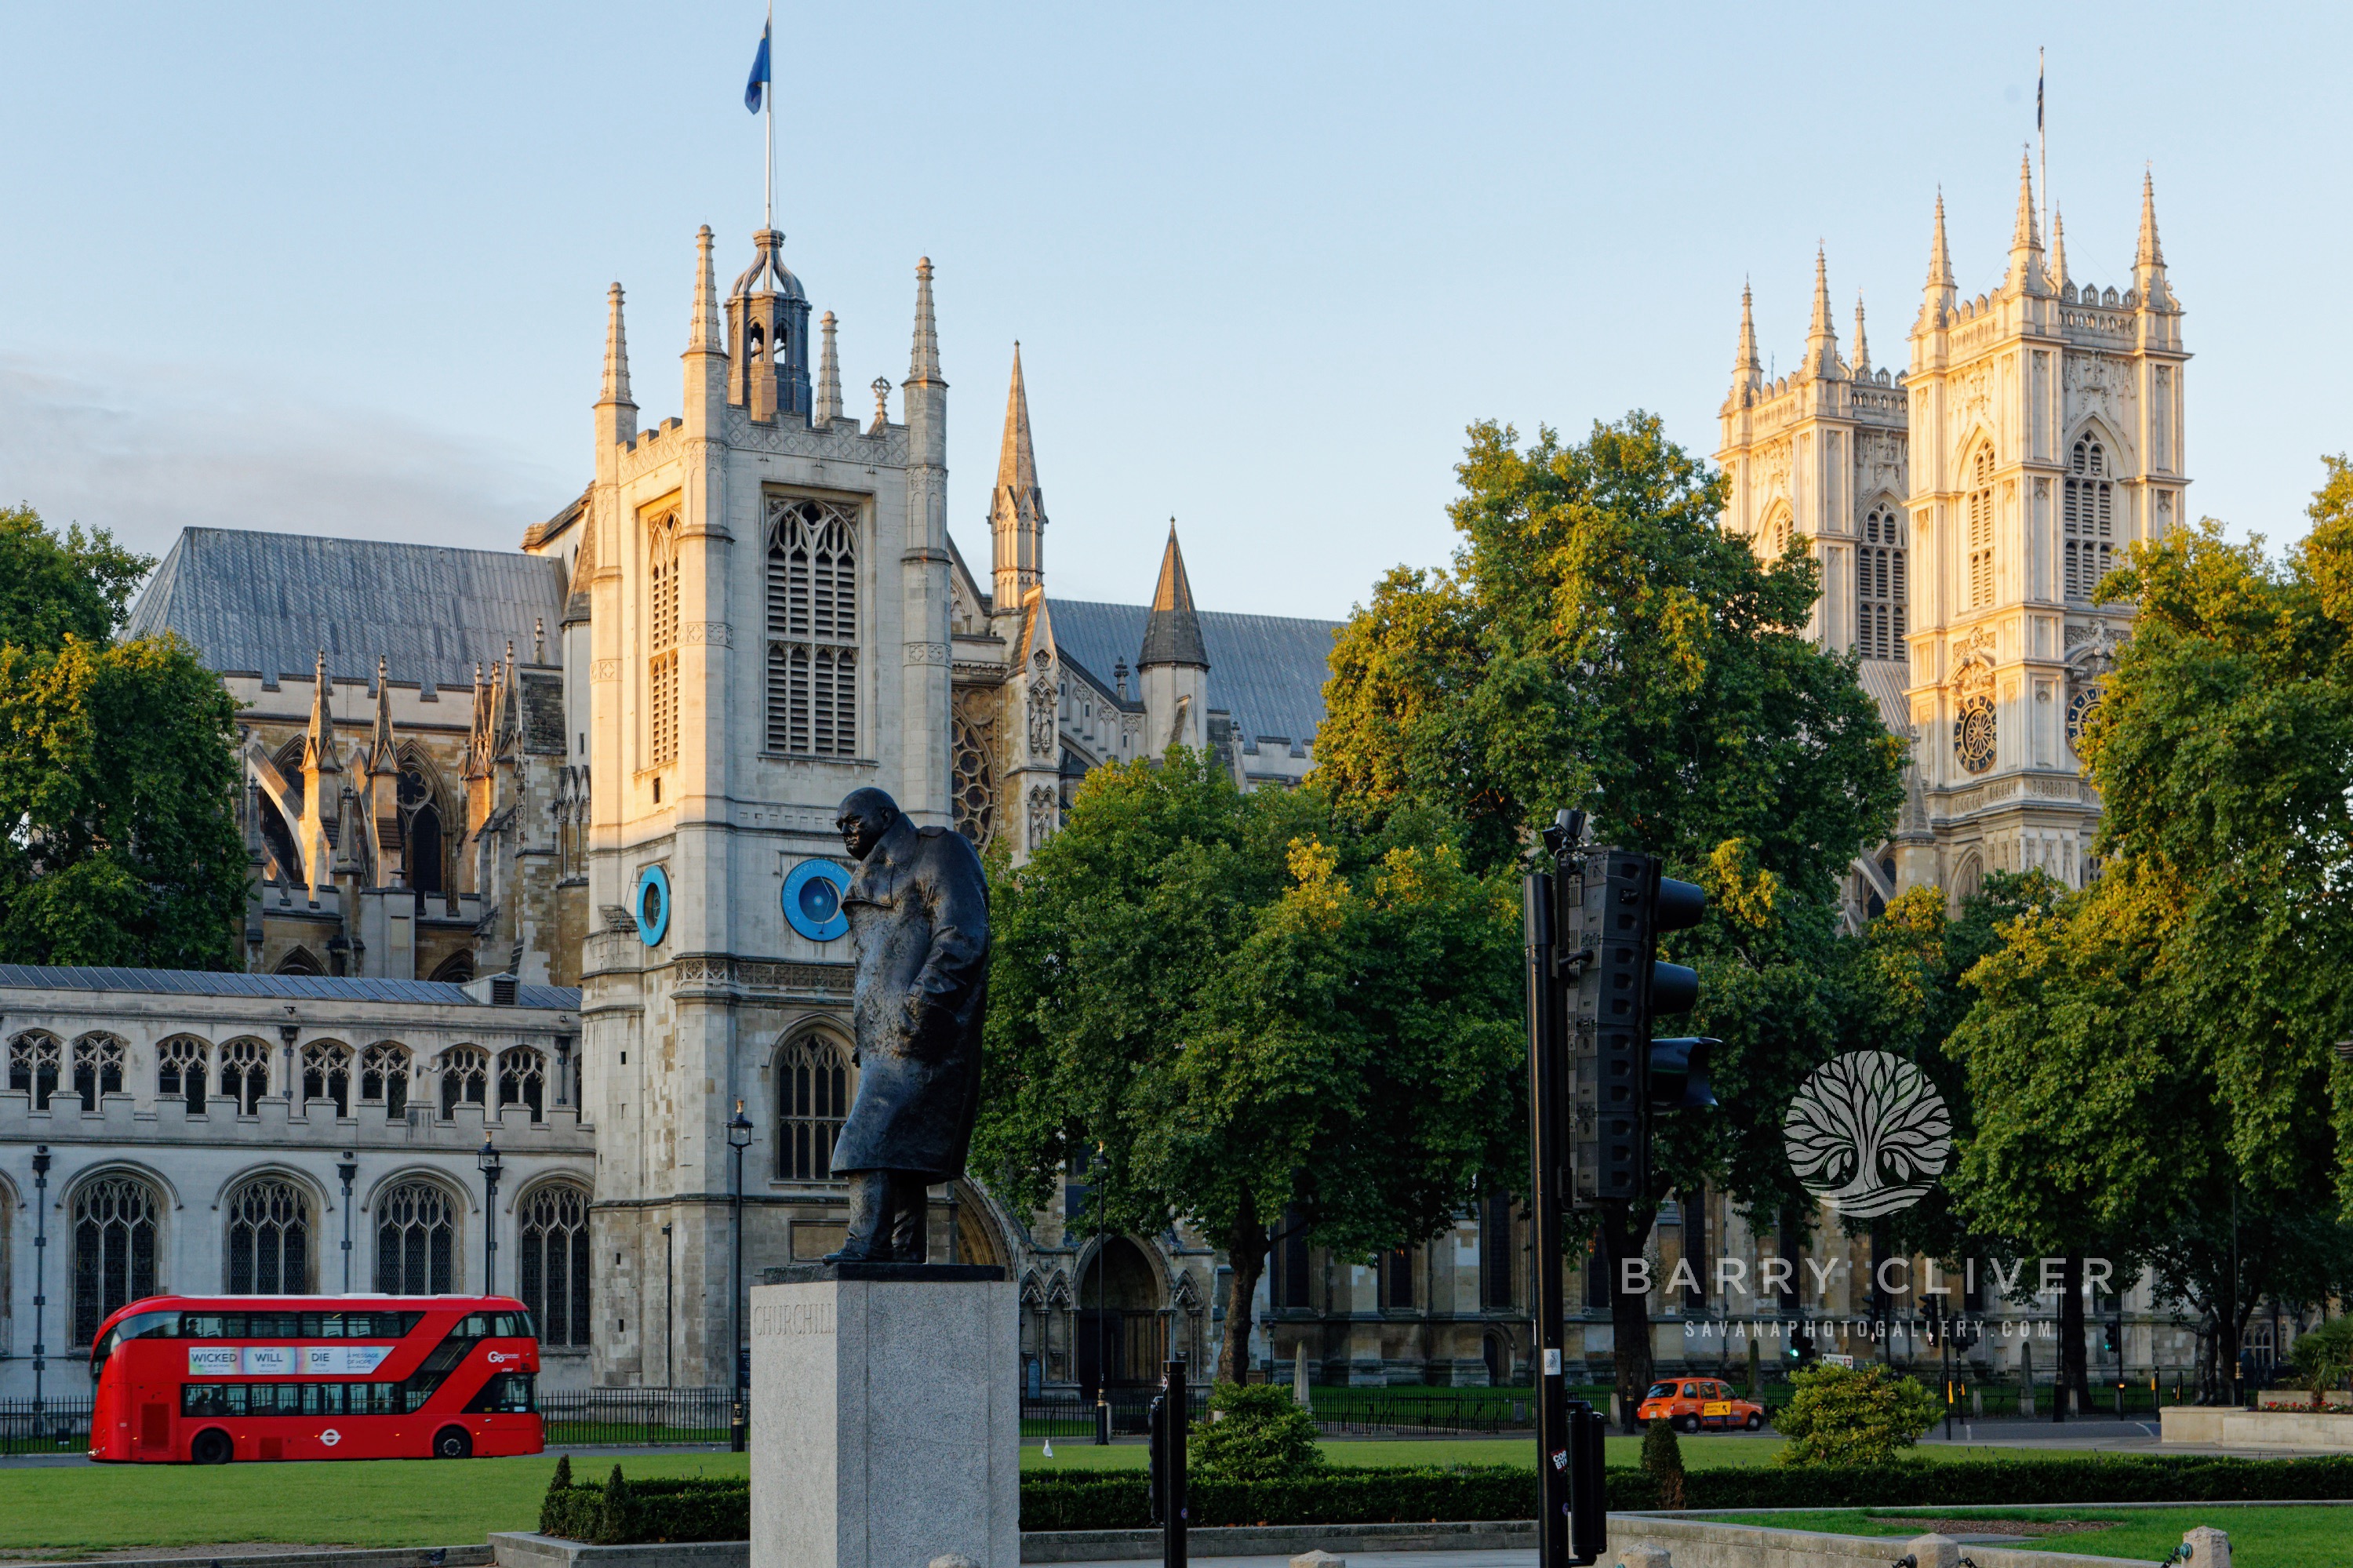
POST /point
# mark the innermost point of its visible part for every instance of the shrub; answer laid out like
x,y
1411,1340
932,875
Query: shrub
x,y
1662,1461
1256,1432
557,1486
2324,1357
1842,1416
682,1509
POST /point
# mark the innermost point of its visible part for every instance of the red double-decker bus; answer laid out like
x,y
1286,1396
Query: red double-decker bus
x,y
211,1378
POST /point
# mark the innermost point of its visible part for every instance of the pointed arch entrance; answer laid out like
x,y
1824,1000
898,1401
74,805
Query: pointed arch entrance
x,y
1123,1330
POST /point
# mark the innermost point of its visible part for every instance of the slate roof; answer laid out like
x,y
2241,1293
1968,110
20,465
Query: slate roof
x,y
292,988
1883,679
1268,670
265,604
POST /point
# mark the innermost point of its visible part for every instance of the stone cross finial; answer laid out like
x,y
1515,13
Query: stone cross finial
x,y
881,384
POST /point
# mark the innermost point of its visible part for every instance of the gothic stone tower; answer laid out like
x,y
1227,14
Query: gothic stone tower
x,y
1964,515
767,622
2046,437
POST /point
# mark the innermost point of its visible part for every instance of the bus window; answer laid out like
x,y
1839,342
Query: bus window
x,y
509,1392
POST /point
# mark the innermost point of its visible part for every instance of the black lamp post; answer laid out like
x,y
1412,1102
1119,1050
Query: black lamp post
x,y
739,1138
40,1257
348,1169
492,1165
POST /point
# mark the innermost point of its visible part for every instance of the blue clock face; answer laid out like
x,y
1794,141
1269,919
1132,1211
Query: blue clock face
x,y
652,904
812,897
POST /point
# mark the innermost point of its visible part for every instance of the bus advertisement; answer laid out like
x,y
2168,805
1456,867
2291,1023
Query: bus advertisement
x,y
205,1380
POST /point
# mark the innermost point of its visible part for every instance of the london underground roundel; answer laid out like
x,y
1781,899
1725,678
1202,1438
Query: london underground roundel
x,y
812,895
652,904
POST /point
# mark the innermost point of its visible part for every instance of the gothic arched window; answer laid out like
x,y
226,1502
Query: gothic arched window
x,y
1879,591
97,1068
416,1240
812,628
269,1239
34,1062
465,1078
327,1074
553,1271
2086,521
661,613
973,792
384,1076
522,1079
813,1092
1980,528
114,1221
180,1071
245,1073
420,830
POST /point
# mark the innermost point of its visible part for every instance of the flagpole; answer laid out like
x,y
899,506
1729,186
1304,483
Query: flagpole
x,y
2041,145
768,170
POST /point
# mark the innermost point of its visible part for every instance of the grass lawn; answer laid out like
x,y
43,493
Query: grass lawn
x,y
2291,1537
58,1509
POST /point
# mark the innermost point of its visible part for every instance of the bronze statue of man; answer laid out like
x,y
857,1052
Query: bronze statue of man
x,y
918,908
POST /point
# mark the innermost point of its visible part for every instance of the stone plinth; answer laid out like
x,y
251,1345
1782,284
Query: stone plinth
x,y
885,1416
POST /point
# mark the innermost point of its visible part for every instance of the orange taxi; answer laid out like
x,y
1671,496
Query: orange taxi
x,y
1700,1404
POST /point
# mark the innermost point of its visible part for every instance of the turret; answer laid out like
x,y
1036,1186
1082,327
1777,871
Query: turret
x,y
1821,339
1016,507
1936,295
1175,663
2148,259
2025,275
767,320
384,787
322,782
1861,344
828,375
2058,252
617,414
707,384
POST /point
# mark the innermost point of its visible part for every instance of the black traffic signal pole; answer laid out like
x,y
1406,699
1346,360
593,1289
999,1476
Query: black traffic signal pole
x,y
1170,1418
1547,1192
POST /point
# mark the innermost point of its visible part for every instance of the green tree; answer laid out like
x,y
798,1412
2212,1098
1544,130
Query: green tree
x,y
56,585
1845,1415
1600,643
2324,1357
1255,1433
119,775
1247,1012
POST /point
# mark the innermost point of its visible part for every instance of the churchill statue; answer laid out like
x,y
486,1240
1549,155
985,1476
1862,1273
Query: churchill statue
x,y
918,909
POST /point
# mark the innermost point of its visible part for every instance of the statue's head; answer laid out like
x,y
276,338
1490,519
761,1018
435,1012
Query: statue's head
x,y
865,816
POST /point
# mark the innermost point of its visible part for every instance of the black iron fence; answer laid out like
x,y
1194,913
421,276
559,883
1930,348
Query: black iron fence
x,y
634,1417
60,1426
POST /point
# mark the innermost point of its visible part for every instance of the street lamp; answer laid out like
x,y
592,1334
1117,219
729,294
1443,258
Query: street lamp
x,y
492,1165
739,1138
347,1168
40,1257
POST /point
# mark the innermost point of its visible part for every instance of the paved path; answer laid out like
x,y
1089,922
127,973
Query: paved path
x,y
1491,1558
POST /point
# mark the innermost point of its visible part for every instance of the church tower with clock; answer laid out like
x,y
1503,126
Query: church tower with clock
x,y
1964,515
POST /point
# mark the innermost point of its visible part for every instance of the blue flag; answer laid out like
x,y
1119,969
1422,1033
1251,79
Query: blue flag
x,y
758,88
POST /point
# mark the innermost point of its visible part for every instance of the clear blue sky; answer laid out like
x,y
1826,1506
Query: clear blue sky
x,y
343,268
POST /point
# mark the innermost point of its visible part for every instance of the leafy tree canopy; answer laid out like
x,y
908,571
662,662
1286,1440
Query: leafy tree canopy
x,y
56,585
1229,1009
1849,1415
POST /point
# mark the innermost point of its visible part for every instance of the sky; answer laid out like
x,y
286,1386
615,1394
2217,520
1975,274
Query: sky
x,y
341,270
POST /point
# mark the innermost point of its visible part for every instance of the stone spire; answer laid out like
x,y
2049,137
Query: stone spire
x,y
319,744
702,330
1017,508
2149,260
828,375
2150,253
384,754
1821,340
1861,344
2026,238
923,363
617,355
1746,370
1173,634
2058,250
1936,300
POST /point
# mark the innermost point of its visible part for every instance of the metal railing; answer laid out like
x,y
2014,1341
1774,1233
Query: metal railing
x,y
634,1417
61,1426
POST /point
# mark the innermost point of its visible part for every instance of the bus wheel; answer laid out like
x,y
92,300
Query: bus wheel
x,y
451,1443
211,1447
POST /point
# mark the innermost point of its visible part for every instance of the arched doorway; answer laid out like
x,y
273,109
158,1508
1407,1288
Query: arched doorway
x,y
1123,1333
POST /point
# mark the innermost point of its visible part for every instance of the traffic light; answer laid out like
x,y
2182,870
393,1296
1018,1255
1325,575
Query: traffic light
x,y
1613,905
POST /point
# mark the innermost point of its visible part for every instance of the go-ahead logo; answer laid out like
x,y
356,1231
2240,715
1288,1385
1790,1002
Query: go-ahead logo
x,y
1868,1133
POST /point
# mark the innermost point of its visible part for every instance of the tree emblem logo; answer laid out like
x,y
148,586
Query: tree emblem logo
x,y
1868,1133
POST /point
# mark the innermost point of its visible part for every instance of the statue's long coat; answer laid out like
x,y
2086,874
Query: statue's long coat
x,y
918,912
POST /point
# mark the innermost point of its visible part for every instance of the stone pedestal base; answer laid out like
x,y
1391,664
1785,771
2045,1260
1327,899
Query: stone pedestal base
x,y
886,1412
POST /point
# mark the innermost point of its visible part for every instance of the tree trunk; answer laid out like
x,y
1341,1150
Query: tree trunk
x,y
2073,1378
1622,1236
1246,1250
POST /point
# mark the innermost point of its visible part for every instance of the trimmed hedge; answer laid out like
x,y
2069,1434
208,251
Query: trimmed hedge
x,y
722,1510
688,1510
